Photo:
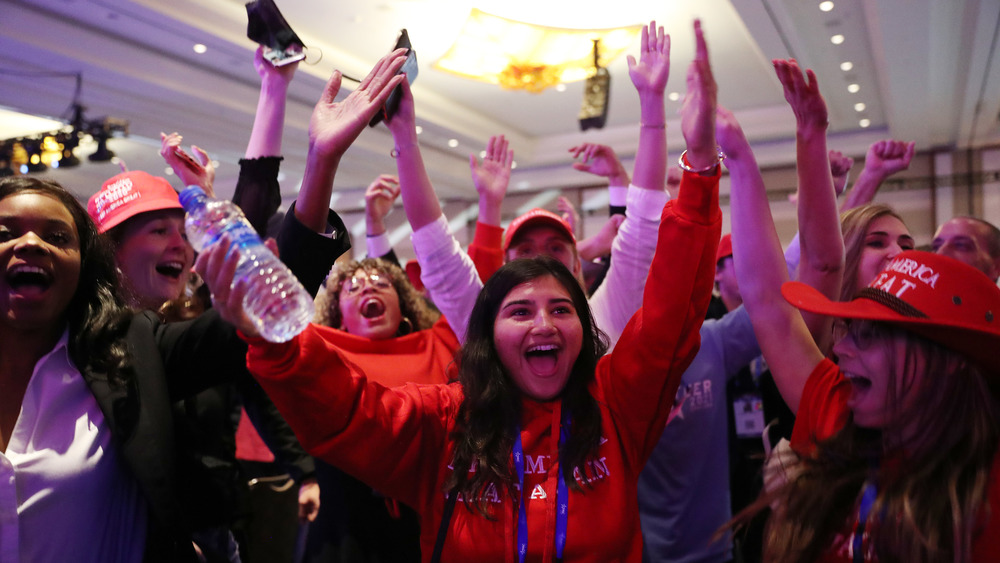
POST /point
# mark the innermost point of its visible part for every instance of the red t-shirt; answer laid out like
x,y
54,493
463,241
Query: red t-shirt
x,y
822,412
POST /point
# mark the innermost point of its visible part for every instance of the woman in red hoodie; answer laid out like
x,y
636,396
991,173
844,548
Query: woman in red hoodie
x,y
543,437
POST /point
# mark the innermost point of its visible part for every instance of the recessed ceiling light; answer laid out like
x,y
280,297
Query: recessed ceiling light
x,y
860,106
482,154
674,96
215,164
865,122
853,88
452,143
846,66
837,39
115,160
826,6
560,87
199,48
168,171
513,164
419,129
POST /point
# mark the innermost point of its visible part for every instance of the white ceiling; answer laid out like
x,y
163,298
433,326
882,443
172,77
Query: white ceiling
x,y
929,71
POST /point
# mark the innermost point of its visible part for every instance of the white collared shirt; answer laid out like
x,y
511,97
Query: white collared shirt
x,y
65,494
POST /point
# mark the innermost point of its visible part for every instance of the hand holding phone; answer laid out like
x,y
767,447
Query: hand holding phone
x,y
409,68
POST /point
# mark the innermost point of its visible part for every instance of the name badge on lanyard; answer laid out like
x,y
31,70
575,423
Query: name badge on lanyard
x,y
748,414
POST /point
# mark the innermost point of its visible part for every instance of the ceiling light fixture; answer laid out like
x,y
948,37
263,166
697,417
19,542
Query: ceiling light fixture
x,y
199,48
826,6
860,106
865,122
846,66
853,88
523,56
837,39
452,143
674,96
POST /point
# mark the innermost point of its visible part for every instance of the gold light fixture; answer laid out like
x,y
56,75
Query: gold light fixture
x,y
523,56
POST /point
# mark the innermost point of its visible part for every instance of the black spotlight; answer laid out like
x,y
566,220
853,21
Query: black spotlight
x,y
103,153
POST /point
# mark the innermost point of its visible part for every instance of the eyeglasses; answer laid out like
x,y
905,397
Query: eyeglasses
x,y
862,332
356,284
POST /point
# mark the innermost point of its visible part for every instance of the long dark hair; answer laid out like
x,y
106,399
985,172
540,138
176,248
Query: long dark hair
x,y
97,322
491,409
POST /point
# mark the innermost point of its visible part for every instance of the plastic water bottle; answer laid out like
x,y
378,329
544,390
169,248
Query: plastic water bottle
x,y
275,301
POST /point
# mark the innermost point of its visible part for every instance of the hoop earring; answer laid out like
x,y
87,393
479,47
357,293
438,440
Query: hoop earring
x,y
405,326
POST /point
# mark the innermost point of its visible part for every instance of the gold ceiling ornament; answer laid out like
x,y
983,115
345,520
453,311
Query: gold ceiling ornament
x,y
524,56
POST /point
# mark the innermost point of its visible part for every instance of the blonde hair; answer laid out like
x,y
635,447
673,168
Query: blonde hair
x,y
854,225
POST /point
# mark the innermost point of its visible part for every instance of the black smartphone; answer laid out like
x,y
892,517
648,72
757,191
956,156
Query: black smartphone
x,y
409,68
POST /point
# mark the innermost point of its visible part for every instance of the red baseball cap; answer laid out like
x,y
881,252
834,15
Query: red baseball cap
x,y
128,194
535,217
935,296
725,247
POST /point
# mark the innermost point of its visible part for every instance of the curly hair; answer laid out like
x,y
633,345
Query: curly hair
x,y
935,483
411,304
97,322
491,407
854,225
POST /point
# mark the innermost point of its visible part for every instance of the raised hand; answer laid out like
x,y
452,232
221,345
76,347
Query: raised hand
x,y
379,197
888,156
568,212
600,160
840,166
802,93
650,73
492,176
698,109
198,172
335,125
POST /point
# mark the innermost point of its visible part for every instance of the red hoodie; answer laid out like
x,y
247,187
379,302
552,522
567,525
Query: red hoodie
x,y
397,440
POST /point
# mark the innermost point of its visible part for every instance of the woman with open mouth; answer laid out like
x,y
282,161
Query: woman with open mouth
x,y
896,442
378,320
542,439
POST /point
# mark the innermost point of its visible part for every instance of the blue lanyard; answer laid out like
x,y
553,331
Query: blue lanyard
x,y
867,500
562,497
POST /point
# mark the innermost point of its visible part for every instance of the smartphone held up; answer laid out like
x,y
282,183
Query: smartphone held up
x,y
409,68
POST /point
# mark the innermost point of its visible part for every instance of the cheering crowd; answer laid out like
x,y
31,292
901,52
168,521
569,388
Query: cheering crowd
x,y
532,397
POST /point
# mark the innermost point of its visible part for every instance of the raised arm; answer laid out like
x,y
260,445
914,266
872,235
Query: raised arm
x,y
822,246
269,121
783,336
649,76
379,198
620,294
601,160
840,168
663,337
333,127
447,272
884,159
491,178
